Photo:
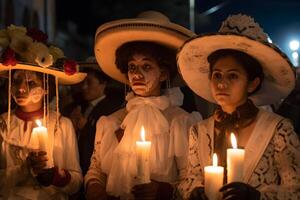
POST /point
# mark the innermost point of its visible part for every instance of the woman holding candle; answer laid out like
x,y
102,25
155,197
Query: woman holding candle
x,y
238,68
36,161
140,52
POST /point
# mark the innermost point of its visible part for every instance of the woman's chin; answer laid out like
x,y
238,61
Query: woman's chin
x,y
21,101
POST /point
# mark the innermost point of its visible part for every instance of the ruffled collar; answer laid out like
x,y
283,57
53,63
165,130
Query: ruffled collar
x,y
241,117
147,112
171,96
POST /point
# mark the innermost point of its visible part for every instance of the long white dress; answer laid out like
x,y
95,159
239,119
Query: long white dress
x,y
113,163
16,179
272,157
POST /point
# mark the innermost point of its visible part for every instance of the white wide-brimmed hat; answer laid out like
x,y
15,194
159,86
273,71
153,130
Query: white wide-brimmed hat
x,y
27,49
242,33
149,26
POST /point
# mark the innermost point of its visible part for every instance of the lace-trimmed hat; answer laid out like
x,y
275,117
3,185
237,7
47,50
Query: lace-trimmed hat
x,y
27,49
149,26
242,33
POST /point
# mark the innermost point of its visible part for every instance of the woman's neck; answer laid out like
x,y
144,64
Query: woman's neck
x,y
32,107
231,108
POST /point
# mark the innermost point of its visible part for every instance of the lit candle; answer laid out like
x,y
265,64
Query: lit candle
x,y
235,162
213,177
143,155
40,134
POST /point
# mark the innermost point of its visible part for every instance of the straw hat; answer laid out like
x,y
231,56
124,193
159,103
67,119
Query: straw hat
x,y
238,32
27,49
149,26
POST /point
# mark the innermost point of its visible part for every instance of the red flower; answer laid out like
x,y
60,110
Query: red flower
x,y
37,35
9,57
70,67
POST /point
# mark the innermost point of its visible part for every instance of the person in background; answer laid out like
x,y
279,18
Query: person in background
x,y
36,163
238,69
140,52
100,97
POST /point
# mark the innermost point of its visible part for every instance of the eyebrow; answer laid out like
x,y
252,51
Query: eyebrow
x,y
230,70
144,59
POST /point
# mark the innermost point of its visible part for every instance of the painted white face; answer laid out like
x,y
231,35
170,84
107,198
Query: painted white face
x,y
145,76
26,88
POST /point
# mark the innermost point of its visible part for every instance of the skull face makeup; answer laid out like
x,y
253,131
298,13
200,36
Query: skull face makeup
x,y
145,76
27,87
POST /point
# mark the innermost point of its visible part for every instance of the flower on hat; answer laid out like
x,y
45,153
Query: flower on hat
x,y
70,67
56,52
18,43
41,53
9,57
37,35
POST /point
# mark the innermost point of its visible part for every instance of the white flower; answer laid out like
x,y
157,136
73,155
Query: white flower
x,y
56,52
16,30
42,56
20,44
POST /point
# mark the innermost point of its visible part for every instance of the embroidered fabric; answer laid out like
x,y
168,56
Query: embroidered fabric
x,y
16,180
276,172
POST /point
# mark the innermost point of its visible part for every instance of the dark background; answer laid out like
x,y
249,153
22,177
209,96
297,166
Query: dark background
x,y
80,19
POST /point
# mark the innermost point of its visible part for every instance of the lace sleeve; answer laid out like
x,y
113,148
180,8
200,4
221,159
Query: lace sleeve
x,y
194,175
287,160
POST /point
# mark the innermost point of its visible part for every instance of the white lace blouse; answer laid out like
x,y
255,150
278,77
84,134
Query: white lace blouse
x,y
272,160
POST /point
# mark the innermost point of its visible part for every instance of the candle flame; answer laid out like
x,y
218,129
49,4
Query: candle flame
x,y
233,141
143,137
215,160
38,122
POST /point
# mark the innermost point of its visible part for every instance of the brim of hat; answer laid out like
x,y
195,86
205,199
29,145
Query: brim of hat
x,y
110,36
193,66
63,78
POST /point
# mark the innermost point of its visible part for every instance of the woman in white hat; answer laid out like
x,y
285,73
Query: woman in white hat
x,y
237,68
140,52
36,162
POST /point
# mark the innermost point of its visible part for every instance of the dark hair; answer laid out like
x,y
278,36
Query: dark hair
x,y
101,76
164,56
252,67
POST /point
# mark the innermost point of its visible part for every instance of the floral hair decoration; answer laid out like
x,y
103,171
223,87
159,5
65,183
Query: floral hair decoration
x,y
28,45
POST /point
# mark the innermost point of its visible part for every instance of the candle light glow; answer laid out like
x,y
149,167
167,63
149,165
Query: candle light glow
x,y
235,161
143,158
213,176
40,137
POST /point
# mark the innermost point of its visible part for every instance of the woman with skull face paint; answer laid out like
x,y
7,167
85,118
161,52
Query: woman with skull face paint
x,y
146,66
27,172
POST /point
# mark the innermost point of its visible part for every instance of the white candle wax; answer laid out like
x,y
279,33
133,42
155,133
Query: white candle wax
x,y
143,159
235,162
41,134
213,177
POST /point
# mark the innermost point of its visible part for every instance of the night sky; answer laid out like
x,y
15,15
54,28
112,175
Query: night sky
x,y
279,18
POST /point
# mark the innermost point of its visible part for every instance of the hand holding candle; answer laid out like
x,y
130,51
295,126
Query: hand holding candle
x,y
143,158
213,177
40,136
235,162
